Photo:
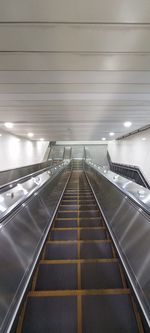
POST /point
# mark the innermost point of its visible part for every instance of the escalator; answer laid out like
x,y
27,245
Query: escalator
x,y
79,284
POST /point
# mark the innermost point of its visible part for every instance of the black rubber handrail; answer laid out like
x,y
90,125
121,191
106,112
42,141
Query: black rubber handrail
x,y
127,171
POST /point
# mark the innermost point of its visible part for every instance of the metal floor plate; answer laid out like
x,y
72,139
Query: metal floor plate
x,y
95,250
108,314
57,277
51,315
97,222
101,276
61,251
63,235
65,224
93,234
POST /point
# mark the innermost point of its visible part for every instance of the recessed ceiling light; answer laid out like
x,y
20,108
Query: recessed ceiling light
x,y
30,135
0,134
143,139
9,125
103,139
127,124
111,133
41,139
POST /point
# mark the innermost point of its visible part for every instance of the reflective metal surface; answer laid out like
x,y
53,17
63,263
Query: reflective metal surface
x,y
136,192
94,151
12,174
14,194
67,153
128,224
57,152
21,238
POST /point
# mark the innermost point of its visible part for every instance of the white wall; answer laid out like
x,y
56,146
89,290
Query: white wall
x,y
133,151
17,152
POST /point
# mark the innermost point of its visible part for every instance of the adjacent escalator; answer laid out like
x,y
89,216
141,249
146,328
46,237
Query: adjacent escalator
x,y
79,285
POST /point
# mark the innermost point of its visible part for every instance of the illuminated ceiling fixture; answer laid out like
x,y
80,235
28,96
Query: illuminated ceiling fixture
x,y
111,133
143,139
9,125
30,135
0,134
127,124
103,139
41,139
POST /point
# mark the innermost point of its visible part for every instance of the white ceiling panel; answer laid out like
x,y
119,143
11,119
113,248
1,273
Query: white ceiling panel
x,y
82,38
74,69
77,96
124,11
57,77
73,61
74,88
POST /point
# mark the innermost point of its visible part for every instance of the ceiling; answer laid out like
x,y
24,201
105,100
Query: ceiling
x,y
74,69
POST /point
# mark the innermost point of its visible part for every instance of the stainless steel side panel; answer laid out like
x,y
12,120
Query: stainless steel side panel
x,y
77,151
67,153
12,174
20,241
130,228
57,153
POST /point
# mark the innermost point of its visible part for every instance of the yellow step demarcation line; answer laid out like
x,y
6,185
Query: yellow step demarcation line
x,y
62,205
76,211
74,201
76,261
101,241
81,292
83,195
78,191
91,199
81,228
81,218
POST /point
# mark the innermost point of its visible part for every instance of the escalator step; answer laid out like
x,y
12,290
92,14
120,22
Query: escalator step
x,y
95,250
60,251
69,201
51,314
68,207
89,213
63,235
65,224
86,202
91,223
92,234
111,313
97,276
57,277
78,207
88,207
74,214
67,214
